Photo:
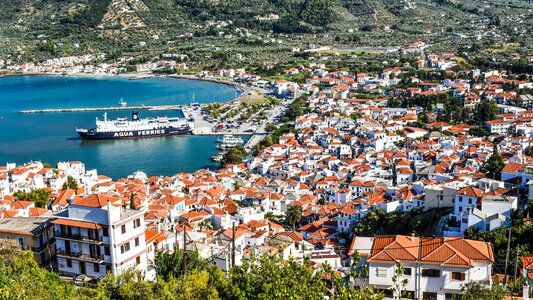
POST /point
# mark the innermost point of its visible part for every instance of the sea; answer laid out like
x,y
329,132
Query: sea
x,y
52,137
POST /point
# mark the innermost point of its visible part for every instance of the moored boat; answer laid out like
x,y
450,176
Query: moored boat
x,y
122,128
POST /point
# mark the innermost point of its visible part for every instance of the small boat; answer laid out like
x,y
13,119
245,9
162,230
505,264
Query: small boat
x,y
122,103
217,157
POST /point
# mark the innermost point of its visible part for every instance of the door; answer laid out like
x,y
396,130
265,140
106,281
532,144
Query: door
x,y
82,268
67,247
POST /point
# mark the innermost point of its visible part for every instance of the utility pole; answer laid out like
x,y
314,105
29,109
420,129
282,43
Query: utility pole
x,y
233,245
507,258
184,251
516,263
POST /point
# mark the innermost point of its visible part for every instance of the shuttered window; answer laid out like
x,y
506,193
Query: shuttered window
x,y
458,276
382,272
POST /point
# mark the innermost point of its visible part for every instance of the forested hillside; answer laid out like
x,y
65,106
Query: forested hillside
x,y
27,27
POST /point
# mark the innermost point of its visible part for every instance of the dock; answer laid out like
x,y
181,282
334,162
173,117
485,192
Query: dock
x,y
114,108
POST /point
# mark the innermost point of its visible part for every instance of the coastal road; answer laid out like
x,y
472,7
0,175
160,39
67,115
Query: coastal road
x,y
260,133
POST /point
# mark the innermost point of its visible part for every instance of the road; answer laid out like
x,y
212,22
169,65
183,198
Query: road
x,y
260,133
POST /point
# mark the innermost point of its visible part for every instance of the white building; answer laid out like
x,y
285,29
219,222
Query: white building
x,y
444,267
95,235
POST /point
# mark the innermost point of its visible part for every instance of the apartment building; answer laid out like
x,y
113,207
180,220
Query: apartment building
x,y
96,235
34,234
435,267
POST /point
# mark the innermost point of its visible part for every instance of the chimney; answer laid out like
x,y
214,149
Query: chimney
x,y
525,291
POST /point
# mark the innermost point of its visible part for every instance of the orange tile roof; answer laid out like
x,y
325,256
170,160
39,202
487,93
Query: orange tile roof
x,y
450,252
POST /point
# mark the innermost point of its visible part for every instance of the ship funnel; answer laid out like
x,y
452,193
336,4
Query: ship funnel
x,y
135,116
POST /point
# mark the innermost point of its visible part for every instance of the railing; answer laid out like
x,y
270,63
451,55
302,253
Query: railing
x,y
80,255
43,246
77,236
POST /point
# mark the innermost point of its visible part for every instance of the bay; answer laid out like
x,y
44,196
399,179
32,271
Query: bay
x,y
52,137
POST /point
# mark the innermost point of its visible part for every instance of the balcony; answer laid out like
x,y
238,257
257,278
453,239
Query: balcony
x,y
79,237
80,256
43,246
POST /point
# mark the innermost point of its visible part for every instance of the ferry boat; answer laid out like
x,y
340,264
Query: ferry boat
x,y
230,140
122,128
122,103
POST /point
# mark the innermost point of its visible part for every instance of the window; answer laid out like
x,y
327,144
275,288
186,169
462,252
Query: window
x,y
136,241
407,271
96,268
123,229
125,247
460,209
69,263
382,272
105,231
460,198
138,260
136,223
470,201
106,251
458,276
108,269
430,273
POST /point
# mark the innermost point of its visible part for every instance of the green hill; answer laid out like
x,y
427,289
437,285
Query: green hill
x,y
62,27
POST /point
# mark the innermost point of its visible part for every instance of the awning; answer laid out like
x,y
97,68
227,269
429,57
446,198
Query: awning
x,y
74,223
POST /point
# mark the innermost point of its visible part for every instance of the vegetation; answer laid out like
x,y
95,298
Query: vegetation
x,y
474,291
234,156
521,236
39,197
71,183
264,278
494,164
293,215
416,221
22,278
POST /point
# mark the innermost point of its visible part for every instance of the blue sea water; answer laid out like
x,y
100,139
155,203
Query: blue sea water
x,y
52,137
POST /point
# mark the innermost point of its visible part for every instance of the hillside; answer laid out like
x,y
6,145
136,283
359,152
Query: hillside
x,y
51,27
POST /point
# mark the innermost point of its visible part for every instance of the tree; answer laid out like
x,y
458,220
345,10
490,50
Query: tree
x,y
132,202
171,264
494,164
271,278
234,156
270,127
71,183
474,290
399,283
295,110
293,215
22,278
528,151
317,12
39,197
487,110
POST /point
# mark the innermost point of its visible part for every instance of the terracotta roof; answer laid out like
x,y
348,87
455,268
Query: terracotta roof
x,y
93,200
450,252
471,192
153,236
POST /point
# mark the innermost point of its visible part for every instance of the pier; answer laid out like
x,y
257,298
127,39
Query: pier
x,y
114,108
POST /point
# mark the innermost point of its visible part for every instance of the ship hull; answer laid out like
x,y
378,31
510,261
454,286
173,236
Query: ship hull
x,y
133,134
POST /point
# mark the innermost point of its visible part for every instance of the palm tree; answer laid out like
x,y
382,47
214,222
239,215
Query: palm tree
x,y
293,215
